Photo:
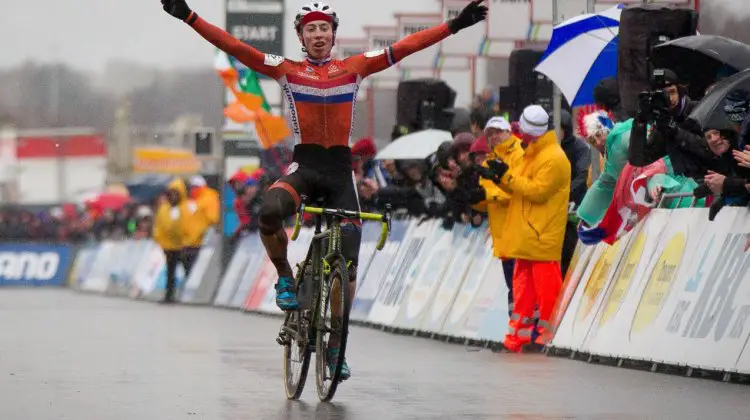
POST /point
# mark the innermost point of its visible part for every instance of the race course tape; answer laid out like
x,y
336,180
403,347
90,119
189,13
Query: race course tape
x,y
674,290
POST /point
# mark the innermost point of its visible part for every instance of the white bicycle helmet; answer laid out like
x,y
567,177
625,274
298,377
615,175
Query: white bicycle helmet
x,y
309,12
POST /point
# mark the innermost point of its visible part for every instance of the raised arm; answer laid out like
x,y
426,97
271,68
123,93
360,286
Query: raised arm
x,y
376,61
266,64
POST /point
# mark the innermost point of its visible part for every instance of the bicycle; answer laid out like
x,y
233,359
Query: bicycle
x,y
323,275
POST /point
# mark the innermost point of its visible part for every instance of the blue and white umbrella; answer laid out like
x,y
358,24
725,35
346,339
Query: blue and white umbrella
x,y
581,53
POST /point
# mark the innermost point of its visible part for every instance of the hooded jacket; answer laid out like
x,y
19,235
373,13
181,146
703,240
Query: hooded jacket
x,y
497,199
537,213
169,230
203,212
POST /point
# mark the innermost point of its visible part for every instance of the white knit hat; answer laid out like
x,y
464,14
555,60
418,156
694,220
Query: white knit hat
x,y
534,121
197,181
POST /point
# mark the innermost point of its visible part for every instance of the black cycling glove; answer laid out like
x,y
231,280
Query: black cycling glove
x,y
473,13
176,8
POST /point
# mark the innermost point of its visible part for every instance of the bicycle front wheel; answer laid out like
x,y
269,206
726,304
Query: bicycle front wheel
x,y
333,328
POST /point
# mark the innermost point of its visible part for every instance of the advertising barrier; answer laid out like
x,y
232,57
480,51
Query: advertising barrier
x,y
34,264
371,281
675,290
203,282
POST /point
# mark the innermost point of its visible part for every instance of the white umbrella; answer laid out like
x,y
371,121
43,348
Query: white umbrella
x,y
417,145
582,52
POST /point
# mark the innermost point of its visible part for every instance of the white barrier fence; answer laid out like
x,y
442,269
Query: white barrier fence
x,y
427,279
675,290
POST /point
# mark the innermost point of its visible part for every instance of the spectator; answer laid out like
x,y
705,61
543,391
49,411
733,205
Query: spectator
x,y
365,149
507,147
579,156
615,151
534,226
144,223
202,215
487,101
478,120
384,173
479,150
169,232
245,188
672,133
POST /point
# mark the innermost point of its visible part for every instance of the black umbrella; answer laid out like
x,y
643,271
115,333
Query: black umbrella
x,y
699,59
709,113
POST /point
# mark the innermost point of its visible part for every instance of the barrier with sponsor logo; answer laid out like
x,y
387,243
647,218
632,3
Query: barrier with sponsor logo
x,y
34,264
674,291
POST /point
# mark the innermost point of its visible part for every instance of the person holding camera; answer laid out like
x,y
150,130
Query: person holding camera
x,y
661,128
534,227
505,146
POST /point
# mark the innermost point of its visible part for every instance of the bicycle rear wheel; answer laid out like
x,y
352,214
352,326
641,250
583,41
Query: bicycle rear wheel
x,y
334,294
296,357
297,349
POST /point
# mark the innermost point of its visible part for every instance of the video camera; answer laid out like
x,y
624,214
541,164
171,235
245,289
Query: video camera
x,y
654,105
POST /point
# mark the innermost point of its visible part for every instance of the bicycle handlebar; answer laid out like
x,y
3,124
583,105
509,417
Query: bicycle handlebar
x,y
384,219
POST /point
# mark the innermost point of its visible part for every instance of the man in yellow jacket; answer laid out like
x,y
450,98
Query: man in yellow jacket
x,y
534,226
506,147
169,232
202,214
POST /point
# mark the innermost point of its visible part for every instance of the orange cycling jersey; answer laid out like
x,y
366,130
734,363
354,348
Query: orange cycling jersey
x,y
321,95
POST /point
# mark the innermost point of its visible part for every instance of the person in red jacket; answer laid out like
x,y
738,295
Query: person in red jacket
x,y
246,187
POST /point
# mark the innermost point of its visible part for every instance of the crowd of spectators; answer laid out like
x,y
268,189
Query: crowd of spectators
x,y
71,224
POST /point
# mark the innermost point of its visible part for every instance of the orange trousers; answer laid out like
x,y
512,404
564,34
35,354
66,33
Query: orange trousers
x,y
536,284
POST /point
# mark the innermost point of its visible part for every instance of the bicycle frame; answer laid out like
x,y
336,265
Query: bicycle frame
x,y
321,263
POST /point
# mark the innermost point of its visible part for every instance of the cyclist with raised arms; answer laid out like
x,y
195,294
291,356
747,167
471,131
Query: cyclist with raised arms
x,y
321,94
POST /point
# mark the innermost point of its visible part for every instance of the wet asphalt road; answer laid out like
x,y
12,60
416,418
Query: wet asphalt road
x,y
71,356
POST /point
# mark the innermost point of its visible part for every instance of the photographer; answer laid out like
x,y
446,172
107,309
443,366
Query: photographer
x,y
457,177
664,111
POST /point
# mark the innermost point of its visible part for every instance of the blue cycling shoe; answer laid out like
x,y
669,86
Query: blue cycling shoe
x,y
333,357
286,296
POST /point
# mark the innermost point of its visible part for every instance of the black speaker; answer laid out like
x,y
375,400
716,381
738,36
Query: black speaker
x,y
203,144
509,101
528,86
421,103
641,29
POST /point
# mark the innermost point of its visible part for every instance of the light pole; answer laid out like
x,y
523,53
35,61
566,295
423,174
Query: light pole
x,y
55,119
556,95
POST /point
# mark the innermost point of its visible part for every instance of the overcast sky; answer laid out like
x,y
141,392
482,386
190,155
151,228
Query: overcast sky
x,y
88,33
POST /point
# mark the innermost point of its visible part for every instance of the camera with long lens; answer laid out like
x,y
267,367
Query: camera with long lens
x,y
654,105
